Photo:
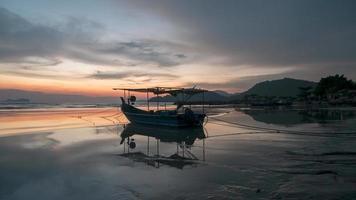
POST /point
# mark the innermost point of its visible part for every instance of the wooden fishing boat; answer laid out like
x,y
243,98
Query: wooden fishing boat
x,y
180,117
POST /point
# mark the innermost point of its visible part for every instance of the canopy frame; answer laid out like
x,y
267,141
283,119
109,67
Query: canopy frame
x,y
174,91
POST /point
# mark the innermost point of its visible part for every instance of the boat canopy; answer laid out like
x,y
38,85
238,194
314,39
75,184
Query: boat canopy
x,y
174,91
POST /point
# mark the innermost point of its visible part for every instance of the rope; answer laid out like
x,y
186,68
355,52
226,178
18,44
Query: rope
x,y
94,113
240,133
115,114
232,125
207,119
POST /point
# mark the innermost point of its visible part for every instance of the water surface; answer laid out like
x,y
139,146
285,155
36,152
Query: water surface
x,y
83,153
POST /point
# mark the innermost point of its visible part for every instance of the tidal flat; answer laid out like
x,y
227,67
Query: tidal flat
x,y
90,153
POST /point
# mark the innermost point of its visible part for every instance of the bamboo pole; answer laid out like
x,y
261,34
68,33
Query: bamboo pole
x,y
157,102
148,101
203,102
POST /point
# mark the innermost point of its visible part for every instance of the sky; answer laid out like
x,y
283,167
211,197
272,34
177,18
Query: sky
x,y
88,47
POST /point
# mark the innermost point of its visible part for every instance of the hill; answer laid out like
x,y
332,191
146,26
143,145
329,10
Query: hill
x,y
39,97
211,96
224,93
286,87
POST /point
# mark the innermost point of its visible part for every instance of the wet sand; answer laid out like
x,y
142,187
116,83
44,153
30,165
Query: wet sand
x,y
76,154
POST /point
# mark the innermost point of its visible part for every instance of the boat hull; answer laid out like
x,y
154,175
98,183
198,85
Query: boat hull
x,y
152,119
164,118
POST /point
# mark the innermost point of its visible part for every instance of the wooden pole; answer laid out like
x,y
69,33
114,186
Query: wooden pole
x,y
148,101
182,97
128,97
203,102
157,102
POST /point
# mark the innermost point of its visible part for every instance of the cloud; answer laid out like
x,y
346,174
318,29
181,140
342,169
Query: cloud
x,y
181,56
313,38
146,51
19,39
128,74
41,75
78,39
264,33
309,72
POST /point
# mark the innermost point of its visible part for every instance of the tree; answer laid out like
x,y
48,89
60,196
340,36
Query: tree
x,y
333,84
305,92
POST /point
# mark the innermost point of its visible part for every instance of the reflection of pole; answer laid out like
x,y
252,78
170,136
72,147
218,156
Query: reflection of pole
x,y
124,146
183,148
158,147
203,149
148,145
158,164
128,145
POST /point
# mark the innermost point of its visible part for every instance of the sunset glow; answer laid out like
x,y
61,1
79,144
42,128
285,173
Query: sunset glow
x,y
63,48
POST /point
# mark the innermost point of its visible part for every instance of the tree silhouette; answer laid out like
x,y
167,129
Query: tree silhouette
x,y
333,84
305,92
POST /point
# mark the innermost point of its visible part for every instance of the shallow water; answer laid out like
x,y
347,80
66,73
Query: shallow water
x,y
83,154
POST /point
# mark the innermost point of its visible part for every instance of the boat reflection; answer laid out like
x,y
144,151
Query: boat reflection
x,y
183,138
293,117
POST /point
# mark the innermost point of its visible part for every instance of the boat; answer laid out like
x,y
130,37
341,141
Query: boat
x,y
180,117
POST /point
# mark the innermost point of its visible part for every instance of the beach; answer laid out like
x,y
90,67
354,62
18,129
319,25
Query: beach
x,y
82,153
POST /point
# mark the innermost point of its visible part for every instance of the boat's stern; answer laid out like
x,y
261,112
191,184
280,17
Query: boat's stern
x,y
193,119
